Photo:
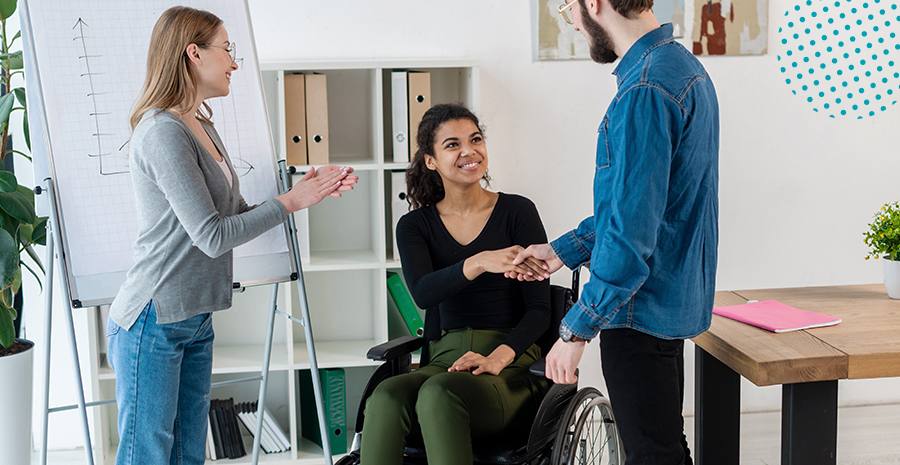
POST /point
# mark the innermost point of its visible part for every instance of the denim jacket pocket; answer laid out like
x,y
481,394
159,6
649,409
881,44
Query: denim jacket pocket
x,y
603,158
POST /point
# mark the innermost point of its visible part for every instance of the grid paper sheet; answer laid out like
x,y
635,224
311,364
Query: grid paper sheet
x,y
92,61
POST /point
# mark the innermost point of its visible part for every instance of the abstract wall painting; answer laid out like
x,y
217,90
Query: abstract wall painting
x,y
730,27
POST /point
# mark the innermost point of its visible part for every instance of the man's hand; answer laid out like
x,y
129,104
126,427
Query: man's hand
x,y
501,261
562,360
544,254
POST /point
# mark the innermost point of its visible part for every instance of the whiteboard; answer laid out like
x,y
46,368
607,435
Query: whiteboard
x,y
85,66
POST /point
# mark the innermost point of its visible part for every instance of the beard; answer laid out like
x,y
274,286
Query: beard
x,y
601,44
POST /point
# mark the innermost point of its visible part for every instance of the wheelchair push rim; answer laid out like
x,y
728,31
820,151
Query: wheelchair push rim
x,y
588,434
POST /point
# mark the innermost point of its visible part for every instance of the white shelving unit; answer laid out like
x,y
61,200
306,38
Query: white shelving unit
x,y
350,242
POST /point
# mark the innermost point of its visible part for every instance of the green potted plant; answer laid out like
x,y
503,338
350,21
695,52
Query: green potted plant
x,y
883,239
20,229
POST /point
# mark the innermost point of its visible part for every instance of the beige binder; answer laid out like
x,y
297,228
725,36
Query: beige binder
x,y
419,85
295,118
317,119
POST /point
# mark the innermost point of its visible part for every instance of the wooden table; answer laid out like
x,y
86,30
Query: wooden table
x,y
807,363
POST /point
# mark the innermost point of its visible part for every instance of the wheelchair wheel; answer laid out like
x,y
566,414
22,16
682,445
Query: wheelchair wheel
x,y
587,432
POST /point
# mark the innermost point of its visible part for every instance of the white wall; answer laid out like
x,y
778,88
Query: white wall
x,y
796,188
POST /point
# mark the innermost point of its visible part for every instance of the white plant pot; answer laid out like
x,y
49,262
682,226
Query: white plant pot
x,y
892,277
16,373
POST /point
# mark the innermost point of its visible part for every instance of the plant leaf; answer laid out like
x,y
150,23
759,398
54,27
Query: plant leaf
x,y
7,8
9,259
17,283
27,130
24,155
17,206
6,104
10,224
20,95
27,193
16,62
39,235
8,182
26,230
8,298
7,330
38,278
34,256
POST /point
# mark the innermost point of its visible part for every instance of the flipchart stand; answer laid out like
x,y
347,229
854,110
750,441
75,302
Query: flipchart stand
x,y
51,253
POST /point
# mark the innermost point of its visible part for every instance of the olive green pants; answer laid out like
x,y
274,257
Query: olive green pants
x,y
450,409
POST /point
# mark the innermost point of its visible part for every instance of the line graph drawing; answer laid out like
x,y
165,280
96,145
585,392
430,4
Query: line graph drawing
x,y
107,163
241,166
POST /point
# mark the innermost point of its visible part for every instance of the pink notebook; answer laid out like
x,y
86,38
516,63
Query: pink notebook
x,y
776,316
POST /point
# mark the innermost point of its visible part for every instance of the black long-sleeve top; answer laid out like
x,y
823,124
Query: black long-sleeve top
x,y
432,263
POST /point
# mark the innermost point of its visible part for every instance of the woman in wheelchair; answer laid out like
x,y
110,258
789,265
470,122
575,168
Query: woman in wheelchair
x,y
455,245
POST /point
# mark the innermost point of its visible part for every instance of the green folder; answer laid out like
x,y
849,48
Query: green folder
x,y
405,304
334,395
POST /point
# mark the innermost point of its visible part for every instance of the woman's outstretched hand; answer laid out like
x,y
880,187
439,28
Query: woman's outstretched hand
x,y
503,261
315,185
346,183
541,253
494,363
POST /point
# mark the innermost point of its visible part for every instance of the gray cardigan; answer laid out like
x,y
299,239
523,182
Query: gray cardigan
x,y
189,219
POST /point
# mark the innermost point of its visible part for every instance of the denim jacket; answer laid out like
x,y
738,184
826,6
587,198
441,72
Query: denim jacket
x,y
652,239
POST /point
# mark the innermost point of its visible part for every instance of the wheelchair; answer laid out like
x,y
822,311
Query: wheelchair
x,y
572,426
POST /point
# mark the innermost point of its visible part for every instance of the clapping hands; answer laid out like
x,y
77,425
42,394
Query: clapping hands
x,y
317,184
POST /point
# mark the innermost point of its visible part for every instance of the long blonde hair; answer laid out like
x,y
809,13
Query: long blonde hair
x,y
169,82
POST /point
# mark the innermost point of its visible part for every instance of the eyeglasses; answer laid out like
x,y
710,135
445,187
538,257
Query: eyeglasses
x,y
566,11
230,48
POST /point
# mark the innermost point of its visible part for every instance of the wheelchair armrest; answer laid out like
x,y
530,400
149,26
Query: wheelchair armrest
x,y
537,368
395,348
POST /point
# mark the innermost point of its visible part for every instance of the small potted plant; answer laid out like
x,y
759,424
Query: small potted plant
x,y
883,239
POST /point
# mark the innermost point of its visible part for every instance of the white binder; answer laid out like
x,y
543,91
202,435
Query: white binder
x,y
399,204
399,117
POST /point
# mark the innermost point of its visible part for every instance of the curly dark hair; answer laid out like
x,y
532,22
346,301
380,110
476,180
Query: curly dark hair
x,y
424,186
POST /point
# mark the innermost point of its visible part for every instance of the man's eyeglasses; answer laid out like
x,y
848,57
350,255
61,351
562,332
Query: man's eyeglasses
x,y
566,11
230,48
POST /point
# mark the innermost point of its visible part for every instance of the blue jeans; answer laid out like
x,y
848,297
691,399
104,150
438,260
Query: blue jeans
x,y
163,376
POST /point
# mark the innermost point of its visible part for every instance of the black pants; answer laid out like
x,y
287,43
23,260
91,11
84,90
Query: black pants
x,y
645,379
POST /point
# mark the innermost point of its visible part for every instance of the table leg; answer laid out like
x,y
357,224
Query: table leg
x,y
809,423
717,419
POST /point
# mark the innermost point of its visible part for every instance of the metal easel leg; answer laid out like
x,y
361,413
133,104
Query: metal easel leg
x,y
305,322
48,319
70,324
261,403
313,365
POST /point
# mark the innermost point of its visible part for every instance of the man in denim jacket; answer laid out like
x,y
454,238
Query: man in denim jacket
x,y
651,242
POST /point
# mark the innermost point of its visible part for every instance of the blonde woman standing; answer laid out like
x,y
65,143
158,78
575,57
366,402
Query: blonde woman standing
x,y
190,216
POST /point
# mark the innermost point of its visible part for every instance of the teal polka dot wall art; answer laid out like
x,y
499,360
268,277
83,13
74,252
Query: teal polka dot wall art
x,y
842,56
